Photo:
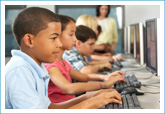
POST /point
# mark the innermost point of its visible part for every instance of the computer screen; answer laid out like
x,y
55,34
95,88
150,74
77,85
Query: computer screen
x,y
132,37
151,35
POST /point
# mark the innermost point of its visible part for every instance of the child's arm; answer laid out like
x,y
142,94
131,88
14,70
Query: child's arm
x,y
95,68
102,58
84,78
117,57
90,100
106,77
93,76
70,88
96,62
75,88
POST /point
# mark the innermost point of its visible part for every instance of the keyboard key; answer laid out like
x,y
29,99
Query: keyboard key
x,y
116,106
124,101
130,101
127,81
136,101
109,106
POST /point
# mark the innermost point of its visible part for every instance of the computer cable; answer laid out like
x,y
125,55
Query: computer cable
x,y
151,83
135,69
151,86
152,92
142,77
139,90
155,81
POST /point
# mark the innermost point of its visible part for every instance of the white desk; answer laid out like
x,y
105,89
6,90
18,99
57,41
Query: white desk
x,y
148,100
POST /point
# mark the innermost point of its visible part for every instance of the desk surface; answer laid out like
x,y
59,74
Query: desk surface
x,y
148,100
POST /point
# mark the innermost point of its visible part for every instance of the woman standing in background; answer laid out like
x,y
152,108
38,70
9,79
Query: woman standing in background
x,y
109,36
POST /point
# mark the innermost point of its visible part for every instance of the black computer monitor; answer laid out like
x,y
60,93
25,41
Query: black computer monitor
x,y
132,40
151,46
140,42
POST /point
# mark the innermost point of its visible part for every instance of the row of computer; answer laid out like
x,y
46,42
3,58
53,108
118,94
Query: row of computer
x,y
141,43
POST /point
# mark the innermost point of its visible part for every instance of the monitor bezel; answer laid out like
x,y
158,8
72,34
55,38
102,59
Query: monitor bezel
x,y
138,61
125,40
128,39
141,43
147,67
134,52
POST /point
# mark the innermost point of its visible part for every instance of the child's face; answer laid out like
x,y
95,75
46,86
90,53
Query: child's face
x,y
47,43
87,47
68,38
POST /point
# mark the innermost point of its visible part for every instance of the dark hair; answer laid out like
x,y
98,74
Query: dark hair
x,y
32,20
83,33
99,29
98,10
64,21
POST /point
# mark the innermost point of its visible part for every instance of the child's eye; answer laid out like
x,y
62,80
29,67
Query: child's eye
x,y
71,34
53,38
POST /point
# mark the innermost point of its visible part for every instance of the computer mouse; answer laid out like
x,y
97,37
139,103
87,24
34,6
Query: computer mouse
x,y
131,90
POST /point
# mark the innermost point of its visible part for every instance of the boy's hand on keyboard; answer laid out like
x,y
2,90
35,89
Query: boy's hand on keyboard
x,y
116,73
106,65
112,80
95,93
117,57
110,59
105,98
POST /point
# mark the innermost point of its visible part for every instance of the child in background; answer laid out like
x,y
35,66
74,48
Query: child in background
x,y
37,32
60,87
92,23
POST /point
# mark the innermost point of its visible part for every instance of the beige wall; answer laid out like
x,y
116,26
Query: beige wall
x,y
140,13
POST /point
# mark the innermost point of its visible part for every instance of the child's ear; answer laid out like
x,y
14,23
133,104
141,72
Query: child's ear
x,y
78,43
28,40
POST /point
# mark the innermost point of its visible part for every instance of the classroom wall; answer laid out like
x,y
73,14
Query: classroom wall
x,y
50,7
133,13
139,13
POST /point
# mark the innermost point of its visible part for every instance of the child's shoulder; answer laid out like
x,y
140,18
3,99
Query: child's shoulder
x,y
68,53
16,62
71,52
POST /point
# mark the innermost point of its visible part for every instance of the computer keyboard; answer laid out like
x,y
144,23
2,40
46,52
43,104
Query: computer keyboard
x,y
118,63
131,81
128,102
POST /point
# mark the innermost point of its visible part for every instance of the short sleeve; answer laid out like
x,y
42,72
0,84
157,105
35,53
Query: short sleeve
x,y
21,90
69,67
49,65
74,60
78,65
